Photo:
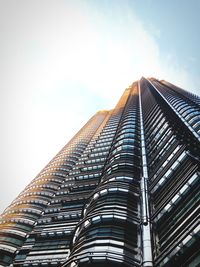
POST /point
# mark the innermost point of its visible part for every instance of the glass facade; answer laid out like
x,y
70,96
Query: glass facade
x,y
123,192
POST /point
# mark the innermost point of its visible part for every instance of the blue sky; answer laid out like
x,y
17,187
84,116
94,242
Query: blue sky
x,y
178,25
61,61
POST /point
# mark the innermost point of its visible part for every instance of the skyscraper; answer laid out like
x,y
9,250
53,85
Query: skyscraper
x,y
123,192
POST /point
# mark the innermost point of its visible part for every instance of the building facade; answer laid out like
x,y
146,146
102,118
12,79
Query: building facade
x,y
123,192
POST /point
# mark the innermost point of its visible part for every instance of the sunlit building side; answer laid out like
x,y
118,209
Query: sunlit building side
x,y
123,192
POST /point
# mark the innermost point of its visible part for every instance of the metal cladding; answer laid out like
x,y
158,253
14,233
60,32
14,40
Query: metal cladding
x,y
123,192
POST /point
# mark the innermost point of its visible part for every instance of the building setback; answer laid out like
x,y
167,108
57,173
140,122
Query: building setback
x,y
123,192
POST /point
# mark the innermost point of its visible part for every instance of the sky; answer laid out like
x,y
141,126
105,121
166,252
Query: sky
x,y
61,61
